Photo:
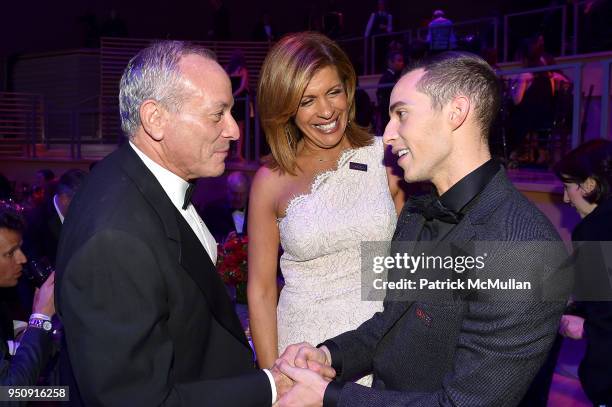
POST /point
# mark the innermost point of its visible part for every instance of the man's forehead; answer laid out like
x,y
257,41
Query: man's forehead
x,y
410,80
9,238
206,77
194,63
405,90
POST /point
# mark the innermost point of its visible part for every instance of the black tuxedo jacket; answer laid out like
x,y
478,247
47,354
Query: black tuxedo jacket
x,y
147,320
463,352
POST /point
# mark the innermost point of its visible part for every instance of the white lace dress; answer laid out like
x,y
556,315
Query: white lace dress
x,y
321,235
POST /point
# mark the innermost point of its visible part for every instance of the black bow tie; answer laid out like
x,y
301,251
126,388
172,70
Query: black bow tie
x,y
188,194
430,207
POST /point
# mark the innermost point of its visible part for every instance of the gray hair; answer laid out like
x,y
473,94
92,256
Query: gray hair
x,y
154,74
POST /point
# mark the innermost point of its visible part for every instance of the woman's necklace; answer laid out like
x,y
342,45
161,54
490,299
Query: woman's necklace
x,y
323,159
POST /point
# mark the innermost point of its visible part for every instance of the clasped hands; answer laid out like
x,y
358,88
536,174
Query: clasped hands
x,y
302,374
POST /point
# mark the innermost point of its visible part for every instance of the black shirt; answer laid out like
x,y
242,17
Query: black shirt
x,y
458,199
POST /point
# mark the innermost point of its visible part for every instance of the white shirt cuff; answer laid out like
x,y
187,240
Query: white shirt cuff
x,y
41,316
272,384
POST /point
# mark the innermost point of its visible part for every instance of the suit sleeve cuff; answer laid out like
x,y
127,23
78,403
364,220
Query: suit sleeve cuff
x,y
336,356
332,394
272,385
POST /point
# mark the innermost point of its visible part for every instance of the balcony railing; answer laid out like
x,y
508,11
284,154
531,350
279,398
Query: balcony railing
x,y
21,123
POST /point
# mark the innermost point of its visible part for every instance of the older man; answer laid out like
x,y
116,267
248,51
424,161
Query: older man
x,y
147,319
463,350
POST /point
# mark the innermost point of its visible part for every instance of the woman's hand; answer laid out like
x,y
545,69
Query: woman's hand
x,y
572,326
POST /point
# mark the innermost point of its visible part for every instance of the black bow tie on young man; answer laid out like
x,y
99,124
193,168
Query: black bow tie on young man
x,y
189,194
430,207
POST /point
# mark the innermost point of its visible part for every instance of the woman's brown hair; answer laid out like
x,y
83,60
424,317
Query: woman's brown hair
x,y
286,72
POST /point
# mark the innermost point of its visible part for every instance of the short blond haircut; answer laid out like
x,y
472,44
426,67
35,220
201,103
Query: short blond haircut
x,y
286,72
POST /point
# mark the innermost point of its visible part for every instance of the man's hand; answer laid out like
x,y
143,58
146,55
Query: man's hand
x,y
308,390
572,326
282,382
44,302
291,351
306,356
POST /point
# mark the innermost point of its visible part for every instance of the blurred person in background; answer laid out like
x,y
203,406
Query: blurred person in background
x,y
22,361
395,64
586,173
440,33
229,214
239,75
380,22
534,96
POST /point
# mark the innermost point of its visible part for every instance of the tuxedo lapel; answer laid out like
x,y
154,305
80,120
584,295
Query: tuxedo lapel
x,y
150,188
479,211
199,266
54,224
408,227
190,253
407,230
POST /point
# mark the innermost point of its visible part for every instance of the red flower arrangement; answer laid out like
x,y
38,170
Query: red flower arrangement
x,y
232,259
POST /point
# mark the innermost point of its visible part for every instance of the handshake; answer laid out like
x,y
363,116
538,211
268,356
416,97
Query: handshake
x,y
302,374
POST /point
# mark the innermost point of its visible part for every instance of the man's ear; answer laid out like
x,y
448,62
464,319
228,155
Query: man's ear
x,y
589,185
459,108
153,118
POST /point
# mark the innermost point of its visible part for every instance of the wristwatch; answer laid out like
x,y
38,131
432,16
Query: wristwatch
x,y
40,324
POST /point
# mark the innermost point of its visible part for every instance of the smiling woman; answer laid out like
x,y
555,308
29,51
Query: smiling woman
x,y
322,115
303,70
323,191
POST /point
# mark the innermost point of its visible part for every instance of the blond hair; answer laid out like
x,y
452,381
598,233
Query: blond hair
x,y
285,74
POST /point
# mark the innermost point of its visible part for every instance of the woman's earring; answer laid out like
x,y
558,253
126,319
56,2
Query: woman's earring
x,y
289,137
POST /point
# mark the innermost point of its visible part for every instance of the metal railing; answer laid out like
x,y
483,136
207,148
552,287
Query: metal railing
x,y
568,34
357,49
576,19
21,122
253,137
493,21
407,37
605,98
576,76
544,11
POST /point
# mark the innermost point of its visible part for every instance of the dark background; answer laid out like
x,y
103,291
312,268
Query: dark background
x,y
40,26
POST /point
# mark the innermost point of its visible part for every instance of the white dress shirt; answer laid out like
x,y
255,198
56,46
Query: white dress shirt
x,y
175,188
238,218
57,209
